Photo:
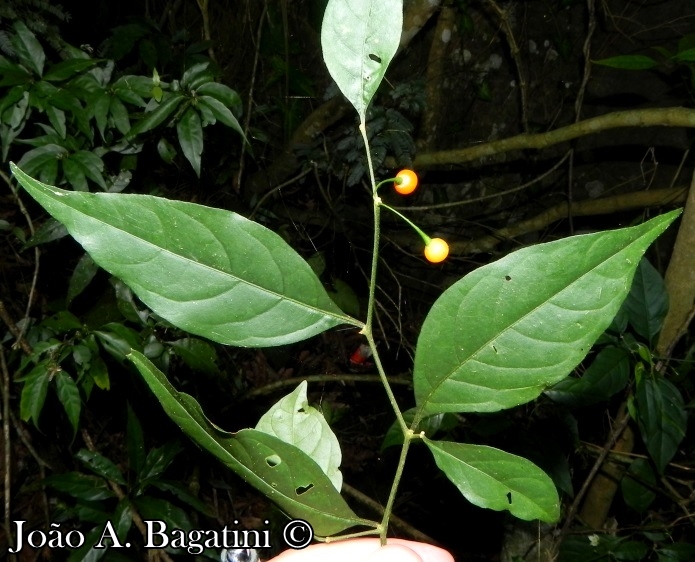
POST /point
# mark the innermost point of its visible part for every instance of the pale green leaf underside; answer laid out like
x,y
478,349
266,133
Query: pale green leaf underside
x,y
508,330
294,421
208,271
493,479
359,39
279,470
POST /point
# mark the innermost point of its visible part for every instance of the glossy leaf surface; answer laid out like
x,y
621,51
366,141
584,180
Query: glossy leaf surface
x,y
294,421
359,38
208,271
490,478
508,330
281,471
647,303
661,417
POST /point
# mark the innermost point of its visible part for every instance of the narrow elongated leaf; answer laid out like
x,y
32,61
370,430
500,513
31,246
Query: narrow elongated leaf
x,y
647,302
607,374
154,118
295,422
359,39
67,68
190,132
69,396
510,329
281,471
208,271
629,62
28,48
493,479
661,417
34,393
100,465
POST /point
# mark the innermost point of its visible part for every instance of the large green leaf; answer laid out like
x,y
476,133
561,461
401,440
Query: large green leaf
x,y
359,38
279,470
294,421
208,271
28,49
508,330
647,303
607,374
493,479
661,416
190,133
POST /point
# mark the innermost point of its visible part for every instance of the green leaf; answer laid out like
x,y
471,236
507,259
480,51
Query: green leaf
x,y
119,113
67,68
156,509
607,374
508,330
166,150
92,166
635,493
118,339
661,417
48,232
359,39
154,118
493,479
345,297
210,272
81,486
57,118
199,355
295,422
221,113
136,442
158,460
223,94
647,302
69,396
100,109
279,470
34,393
74,174
28,49
190,132
81,277
629,62
685,56
196,75
100,465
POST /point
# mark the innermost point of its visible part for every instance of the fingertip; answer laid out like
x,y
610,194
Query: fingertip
x,y
394,553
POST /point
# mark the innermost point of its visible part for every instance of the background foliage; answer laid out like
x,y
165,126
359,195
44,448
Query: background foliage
x,y
81,106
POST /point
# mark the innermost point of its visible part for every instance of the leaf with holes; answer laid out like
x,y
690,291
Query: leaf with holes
x,y
493,479
359,39
279,470
208,271
295,422
510,329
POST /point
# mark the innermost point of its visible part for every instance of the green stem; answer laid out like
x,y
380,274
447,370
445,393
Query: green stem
x,y
367,332
426,239
394,487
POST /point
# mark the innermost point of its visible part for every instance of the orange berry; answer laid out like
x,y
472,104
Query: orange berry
x,y
406,182
437,250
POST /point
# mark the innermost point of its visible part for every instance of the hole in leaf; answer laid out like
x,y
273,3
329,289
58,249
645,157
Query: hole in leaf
x,y
509,497
273,460
303,489
507,278
375,58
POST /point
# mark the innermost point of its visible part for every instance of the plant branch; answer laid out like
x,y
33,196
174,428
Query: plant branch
x,y
603,206
654,117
